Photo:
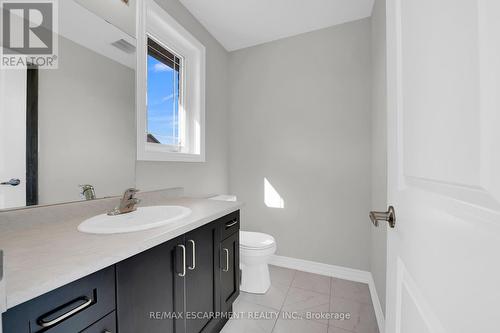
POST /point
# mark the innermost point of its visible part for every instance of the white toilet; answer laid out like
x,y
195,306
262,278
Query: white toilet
x,y
255,251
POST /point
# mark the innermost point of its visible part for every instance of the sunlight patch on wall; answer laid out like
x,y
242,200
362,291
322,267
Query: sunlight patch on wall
x,y
272,198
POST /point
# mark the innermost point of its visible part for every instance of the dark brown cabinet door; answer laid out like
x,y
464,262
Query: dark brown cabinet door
x,y
150,290
202,278
230,270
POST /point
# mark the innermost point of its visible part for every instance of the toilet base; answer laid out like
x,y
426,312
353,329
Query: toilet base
x,y
255,279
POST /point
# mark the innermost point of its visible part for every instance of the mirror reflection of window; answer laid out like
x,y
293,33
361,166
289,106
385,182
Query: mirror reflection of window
x,y
164,125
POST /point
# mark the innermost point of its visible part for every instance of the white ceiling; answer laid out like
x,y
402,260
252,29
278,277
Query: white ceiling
x,y
94,32
241,23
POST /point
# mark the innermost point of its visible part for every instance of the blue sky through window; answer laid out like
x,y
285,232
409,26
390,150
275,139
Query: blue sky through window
x,y
163,105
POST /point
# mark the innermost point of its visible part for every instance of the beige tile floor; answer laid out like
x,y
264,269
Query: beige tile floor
x,y
298,293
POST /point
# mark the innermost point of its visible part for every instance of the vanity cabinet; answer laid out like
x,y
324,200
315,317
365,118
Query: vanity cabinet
x,y
180,286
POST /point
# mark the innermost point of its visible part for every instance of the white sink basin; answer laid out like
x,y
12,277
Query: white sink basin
x,y
143,218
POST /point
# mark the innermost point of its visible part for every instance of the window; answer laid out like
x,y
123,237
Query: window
x,y
164,97
170,89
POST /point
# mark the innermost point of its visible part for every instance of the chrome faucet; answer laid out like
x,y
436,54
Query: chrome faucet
x,y
87,192
127,204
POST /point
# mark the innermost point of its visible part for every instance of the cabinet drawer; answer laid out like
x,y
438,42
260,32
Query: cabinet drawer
x,y
105,325
70,308
230,224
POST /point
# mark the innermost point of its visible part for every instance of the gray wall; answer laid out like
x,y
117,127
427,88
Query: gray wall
x,y
301,117
86,125
211,176
379,151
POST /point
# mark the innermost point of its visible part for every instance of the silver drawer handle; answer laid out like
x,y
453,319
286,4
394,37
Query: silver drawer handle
x,y
229,225
43,323
183,261
194,254
226,251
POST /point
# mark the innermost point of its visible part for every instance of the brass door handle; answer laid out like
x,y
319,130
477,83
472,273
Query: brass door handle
x,y
389,217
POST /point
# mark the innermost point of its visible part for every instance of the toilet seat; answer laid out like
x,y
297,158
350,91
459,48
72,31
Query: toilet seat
x,y
256,241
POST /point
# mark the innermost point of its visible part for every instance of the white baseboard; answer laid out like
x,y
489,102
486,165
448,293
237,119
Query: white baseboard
x,y
337,272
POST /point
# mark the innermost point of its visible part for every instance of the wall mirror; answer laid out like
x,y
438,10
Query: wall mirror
x,y
73,126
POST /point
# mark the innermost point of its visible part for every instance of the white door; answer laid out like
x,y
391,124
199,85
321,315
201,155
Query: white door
x,y
444,166
13,137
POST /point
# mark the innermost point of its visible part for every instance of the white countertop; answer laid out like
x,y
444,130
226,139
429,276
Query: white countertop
x,y
41,257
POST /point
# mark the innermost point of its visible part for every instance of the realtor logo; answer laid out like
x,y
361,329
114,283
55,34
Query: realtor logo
x,y
29,34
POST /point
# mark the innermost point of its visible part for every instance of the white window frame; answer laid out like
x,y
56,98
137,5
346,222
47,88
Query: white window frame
x,y
156,23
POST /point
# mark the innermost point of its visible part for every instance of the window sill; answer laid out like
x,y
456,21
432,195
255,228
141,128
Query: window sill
x,y
162,156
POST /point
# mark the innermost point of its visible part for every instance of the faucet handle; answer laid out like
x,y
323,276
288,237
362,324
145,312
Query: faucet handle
x,y
127,203
130,193
132,190
87,192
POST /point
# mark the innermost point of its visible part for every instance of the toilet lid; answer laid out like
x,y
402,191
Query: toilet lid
x,y
255,240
